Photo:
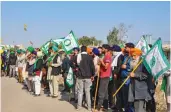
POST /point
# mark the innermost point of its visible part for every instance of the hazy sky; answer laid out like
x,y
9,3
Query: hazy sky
x,y
46,20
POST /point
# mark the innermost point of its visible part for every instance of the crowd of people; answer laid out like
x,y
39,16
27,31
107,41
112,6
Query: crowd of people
x,y
112,64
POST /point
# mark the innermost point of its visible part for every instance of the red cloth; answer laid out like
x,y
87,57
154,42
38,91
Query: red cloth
x,y
37,73
106,72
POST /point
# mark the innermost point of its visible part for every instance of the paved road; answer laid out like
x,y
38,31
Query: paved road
x,y
14,99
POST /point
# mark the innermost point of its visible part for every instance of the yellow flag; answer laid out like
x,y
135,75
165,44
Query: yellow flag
x,y
25,27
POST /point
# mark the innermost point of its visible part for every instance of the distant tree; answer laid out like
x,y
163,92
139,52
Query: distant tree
x,y
85,40
118,35
123,30
112,37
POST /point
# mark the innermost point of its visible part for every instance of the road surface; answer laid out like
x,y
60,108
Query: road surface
x,y
14,99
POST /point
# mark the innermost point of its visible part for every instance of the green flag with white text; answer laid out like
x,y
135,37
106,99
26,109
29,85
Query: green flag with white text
x,y
142,44
69,79
69,42
45,47
155,60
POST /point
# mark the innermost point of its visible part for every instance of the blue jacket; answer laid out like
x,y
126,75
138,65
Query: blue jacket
x,y
125,72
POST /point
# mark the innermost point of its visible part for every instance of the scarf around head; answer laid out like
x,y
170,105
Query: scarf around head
x,y
115,60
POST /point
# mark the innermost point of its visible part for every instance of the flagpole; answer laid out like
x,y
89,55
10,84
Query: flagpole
x,y
127,78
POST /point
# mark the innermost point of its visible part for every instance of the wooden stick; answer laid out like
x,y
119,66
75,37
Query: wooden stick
x,y
127,78
97,84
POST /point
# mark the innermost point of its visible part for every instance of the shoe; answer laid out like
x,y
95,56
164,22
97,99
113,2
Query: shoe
x,y
90,110
76,101
37,95
24,87
64,90
49,95
78,109
72,99
54,96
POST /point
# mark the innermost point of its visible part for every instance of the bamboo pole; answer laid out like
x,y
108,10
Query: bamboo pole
x,y
127,78
97,84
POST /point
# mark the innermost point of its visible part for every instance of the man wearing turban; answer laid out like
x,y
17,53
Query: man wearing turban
x,y
54,69
37,73
20,63
12,63
138,88
125,70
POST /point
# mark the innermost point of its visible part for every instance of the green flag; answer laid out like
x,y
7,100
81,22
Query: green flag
x,y
59,40
155,60
69,79
69,42
45,47
121,45
142,44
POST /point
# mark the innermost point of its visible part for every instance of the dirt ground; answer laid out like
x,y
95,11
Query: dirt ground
x,y
14,99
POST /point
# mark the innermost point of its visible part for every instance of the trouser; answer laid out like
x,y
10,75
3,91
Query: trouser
x,y
30,83
84,85
93,90
44,81
119,103
139,106
8,69
20,77
124,96
24,74
75,88
151,105
111,92
12,70
37,84
26,78
53,84
168,107
103,92
16,70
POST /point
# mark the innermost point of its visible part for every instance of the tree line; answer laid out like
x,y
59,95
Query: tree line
x,y
116,36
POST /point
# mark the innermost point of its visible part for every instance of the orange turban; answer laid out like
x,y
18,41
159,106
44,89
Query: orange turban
x,y
122,49
136,51
89,50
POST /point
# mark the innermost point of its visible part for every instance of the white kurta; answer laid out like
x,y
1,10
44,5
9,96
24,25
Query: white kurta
x,y
37,84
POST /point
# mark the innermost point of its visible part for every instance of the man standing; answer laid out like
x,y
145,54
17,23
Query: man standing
x,y
115,82
125,70
105,72
73,64
55,64
20,63
65,70
12,63
86,72
95,53
138,88
38,73
31,60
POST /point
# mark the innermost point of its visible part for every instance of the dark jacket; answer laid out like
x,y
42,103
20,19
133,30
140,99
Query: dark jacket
x,y
73,62
86,67
65,65
39,65
138,88
55,70
12,59
117,69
